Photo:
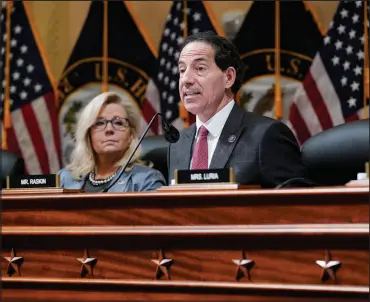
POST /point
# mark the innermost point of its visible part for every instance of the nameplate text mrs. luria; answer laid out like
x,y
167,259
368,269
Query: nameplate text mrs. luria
x,y
33,181
204,176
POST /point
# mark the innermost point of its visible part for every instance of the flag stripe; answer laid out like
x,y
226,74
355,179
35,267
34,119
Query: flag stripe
x,y
317,101
148,113
33,134
299,126
307,112
287,122
334,85
12,142
36,137
353,117
21,132
43,118
50,102
152,97
327,91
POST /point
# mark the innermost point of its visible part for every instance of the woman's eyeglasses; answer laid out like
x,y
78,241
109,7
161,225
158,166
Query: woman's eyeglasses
x,y
118,123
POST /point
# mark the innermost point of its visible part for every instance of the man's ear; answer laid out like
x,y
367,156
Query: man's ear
x,y
230,76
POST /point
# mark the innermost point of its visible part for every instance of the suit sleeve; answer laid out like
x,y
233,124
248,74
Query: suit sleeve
x,y
280,156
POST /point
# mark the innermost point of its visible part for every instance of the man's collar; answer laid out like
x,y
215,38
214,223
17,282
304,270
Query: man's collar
x,y
215,124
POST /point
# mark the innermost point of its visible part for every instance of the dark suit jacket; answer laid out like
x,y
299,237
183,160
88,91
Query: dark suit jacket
x,y
11,165
264,151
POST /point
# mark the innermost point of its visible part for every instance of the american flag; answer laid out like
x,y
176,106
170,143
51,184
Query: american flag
x,y
333,90
34,132
198,18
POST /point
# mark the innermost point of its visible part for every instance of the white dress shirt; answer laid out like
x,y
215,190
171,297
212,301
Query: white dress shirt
x,y
214,126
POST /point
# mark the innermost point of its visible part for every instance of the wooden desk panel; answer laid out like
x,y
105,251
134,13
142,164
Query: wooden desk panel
x,y
284,257
322,205
283,231
77,290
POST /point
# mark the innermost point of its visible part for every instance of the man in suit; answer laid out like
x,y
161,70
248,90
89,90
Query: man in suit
x,y
261,150
11,165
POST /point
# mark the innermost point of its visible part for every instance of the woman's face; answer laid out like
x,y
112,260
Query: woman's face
x,y
111,134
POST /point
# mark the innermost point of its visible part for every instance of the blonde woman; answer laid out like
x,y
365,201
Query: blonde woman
x,y
105,136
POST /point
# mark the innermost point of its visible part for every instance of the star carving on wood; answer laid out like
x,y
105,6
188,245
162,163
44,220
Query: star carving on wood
x,y
87,264
243,267
329,267
15,263
163,266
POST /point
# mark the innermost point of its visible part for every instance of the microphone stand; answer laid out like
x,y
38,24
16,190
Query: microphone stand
x,y
138,144
166,129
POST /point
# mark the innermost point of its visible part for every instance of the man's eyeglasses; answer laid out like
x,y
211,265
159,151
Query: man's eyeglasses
x,y
118,123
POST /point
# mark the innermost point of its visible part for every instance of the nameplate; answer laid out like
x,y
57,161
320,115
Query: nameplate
x,y
204,176
33,181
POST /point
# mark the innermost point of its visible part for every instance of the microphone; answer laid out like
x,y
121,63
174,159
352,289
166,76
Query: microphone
x,y
171,134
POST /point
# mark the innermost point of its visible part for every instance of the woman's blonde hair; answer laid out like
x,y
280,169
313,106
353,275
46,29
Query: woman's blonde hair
x,y
82,157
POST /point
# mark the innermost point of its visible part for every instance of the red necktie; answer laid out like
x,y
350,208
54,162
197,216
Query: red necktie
x,y
200,154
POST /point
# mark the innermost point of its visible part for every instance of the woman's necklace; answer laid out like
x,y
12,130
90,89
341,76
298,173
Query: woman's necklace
x,y
99,182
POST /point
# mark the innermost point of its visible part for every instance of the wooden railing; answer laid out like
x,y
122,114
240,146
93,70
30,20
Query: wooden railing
x,y
286,244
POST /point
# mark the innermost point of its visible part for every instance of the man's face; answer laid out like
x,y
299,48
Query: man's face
x,y
202,83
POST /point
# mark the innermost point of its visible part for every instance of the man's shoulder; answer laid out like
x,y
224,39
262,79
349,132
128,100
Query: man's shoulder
x,y
186,132
189,129
259,126
248,119
241,118
263,122
251,118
